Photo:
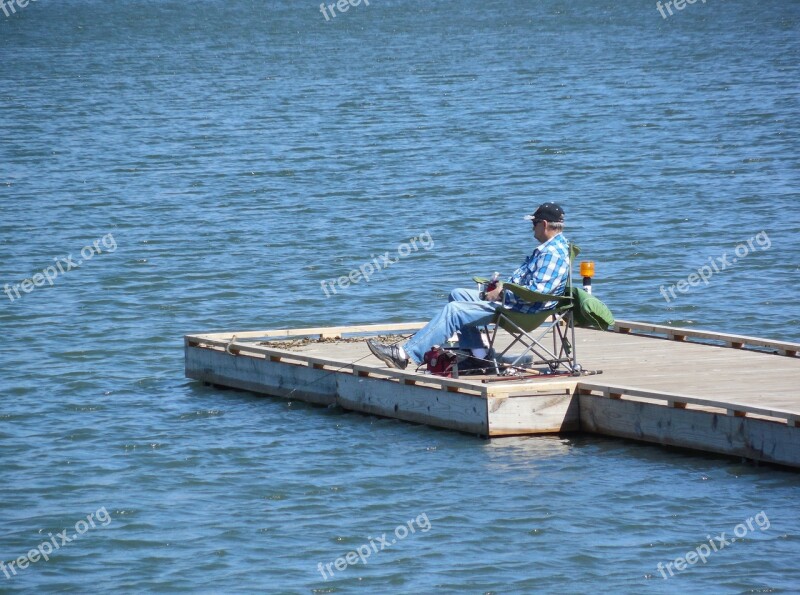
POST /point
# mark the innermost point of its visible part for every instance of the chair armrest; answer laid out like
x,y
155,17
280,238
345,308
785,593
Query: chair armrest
x,y
534,296
528,295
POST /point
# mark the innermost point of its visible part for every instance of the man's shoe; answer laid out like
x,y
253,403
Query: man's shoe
x,y
388,354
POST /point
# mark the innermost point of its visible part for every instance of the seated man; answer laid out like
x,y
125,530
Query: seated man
x,y
545,271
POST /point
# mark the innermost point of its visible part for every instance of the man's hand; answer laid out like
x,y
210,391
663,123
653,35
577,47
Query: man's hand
x,y
496,294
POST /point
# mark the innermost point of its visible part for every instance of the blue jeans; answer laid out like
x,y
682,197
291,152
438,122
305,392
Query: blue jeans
x,y
464,313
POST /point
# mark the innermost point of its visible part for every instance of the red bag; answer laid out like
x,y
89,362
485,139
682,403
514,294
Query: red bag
x,y
440,362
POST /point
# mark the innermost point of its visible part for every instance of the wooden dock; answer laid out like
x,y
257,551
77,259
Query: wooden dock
x,y
713,392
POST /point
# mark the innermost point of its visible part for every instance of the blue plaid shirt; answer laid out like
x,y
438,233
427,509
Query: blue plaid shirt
x,y
545,271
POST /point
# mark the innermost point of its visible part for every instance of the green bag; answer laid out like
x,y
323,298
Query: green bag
x,y
590,312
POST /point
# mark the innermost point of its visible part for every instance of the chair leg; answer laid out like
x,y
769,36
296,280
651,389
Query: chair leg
x,y
532,346
491,351
575,366
562,356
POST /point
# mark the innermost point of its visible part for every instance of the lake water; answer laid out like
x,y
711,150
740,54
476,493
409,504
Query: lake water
x,y
211,164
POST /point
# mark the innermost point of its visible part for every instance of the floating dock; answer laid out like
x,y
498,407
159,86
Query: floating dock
x,y
688,388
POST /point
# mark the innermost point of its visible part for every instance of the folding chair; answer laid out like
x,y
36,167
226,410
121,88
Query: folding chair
x,y
562,358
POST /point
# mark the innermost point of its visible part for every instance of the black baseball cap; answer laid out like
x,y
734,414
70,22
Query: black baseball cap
x,y
548,211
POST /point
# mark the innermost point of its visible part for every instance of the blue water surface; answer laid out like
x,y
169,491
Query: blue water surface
x,y
211,165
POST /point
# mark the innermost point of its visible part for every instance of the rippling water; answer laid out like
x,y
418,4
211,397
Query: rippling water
x,y
229,157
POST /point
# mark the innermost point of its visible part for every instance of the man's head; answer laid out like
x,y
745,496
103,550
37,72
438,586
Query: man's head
x,y
547,220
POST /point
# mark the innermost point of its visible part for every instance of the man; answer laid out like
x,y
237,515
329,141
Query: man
x,y
544,271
